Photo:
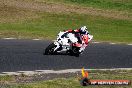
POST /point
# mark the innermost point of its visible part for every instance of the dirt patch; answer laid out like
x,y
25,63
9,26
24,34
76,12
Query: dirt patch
x,y
12,14
63,8
22,79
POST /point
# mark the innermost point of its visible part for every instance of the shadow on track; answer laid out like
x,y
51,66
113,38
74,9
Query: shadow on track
x,y
66,54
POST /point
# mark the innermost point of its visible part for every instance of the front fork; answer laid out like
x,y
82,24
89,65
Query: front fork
x,y
57,45
82,48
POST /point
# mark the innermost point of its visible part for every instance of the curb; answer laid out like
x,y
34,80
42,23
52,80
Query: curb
x,y
31,73
94,42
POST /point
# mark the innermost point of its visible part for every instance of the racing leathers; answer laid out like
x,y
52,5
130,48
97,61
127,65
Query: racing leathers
x,y
83,38
77,34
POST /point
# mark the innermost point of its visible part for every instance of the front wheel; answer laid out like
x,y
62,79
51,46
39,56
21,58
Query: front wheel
x,y
50,49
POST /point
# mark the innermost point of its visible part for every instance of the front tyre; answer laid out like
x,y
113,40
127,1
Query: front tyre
x,y
50,49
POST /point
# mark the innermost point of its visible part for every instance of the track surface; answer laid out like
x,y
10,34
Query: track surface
x,y
26,55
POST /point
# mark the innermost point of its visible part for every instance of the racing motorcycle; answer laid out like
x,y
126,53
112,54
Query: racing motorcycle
x,y
68,43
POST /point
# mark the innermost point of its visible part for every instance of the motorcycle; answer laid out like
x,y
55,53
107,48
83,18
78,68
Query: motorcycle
x,y
68,43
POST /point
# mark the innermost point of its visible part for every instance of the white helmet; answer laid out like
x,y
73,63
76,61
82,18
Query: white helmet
x,y
83,30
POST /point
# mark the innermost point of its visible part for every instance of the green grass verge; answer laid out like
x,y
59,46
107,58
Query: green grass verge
x,y
74,83
120,5
47,25
6,78
106,4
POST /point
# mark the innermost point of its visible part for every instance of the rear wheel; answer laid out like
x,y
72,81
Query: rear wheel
x,y
50,49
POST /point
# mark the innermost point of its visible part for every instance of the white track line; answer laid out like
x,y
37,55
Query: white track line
x,y
29,73
36,39
9,38
95,42
59,71
10,73
113,43
129,44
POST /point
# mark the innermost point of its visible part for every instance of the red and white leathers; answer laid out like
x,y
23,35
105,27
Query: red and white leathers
x,y
83,38
77,34
71,31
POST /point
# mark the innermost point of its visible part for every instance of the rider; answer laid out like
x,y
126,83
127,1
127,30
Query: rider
x,y
79,34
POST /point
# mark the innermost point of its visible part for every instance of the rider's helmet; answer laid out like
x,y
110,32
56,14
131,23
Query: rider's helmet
x,y
83,30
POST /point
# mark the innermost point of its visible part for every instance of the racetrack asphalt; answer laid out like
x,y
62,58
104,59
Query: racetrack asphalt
x,y
27,55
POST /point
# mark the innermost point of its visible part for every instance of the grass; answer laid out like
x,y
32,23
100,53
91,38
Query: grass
x,y
74,83
27,23
47,25
106,4
120,5
6,78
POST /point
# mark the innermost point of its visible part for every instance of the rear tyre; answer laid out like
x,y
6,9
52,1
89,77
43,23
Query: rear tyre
x,y
50,49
